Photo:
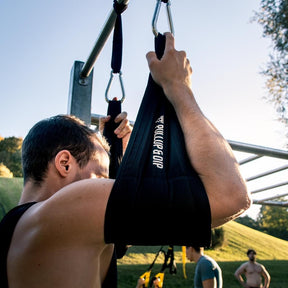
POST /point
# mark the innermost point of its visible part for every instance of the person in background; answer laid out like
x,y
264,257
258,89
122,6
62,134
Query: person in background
x,y
208,274
254,272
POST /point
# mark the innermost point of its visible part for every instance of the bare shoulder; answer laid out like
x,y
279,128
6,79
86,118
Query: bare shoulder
x,y
77,209
243,267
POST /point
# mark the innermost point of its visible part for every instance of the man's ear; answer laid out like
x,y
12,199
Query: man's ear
x,y
63,162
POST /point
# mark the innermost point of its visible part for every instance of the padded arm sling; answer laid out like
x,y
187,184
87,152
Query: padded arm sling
x,y
156,185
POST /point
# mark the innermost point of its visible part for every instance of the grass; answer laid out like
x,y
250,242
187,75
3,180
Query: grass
x,y
271,252
10,190
128,274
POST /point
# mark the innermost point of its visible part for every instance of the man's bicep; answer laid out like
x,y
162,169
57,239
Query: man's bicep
x,y
240,270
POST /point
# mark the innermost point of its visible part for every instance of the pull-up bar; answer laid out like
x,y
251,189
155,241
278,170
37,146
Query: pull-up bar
x,y
102,38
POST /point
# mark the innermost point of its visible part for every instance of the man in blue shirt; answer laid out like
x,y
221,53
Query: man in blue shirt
x,y
208,274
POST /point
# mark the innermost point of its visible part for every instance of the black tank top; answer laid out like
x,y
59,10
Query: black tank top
x,y
7,227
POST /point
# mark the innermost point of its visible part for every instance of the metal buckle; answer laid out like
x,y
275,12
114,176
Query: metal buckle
x,y
156,15
109,86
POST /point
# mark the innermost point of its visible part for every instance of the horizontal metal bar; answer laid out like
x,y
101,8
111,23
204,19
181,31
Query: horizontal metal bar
x,y
271,203
259,150
267,173
102,38
249,159
270,187
273,197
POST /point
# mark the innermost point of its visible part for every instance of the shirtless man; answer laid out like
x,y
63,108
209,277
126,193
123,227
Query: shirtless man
x,y
253,272
60,240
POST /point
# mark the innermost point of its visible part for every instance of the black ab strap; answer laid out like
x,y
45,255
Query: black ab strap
x,y
156,173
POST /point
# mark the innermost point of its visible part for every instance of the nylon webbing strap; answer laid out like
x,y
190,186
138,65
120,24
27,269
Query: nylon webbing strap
x,y
116,148
117,48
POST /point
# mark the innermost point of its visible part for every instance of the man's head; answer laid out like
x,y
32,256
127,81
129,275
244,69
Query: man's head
x,y
251,253
193,253
50,136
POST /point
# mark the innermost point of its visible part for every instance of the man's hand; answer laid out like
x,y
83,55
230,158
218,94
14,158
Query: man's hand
x,y
172,71
122,131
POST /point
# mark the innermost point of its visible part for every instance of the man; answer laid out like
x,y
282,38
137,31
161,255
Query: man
x,y
60,241
253,272
208,274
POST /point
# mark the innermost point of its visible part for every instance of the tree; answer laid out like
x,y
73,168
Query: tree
x,y
274,221
5,172
273,16
217,238
248,221
10,154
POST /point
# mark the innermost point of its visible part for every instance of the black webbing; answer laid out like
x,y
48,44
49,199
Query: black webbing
x,y
117,47
116,148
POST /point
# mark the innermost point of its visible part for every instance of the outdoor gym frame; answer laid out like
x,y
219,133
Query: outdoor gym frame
x,y
79,104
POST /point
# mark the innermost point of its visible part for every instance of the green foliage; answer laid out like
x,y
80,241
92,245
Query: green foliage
x,y
249,222
274,221
10,191
10,154
273,17
217,238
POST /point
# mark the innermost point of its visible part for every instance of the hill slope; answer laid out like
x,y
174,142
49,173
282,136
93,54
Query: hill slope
x,y
238,238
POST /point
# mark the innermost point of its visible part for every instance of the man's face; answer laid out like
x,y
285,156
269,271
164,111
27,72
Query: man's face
x,y
98,167
252,256
189,254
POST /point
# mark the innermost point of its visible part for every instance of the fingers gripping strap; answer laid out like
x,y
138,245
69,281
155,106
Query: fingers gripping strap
x,y
116,148
156,185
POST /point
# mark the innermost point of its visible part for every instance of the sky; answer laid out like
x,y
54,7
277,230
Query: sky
x,y
40,40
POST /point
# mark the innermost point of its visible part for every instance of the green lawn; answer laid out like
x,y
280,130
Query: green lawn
x,y
271,252
128,274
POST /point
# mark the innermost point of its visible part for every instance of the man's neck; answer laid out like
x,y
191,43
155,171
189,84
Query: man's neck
x,y
198,256
35,193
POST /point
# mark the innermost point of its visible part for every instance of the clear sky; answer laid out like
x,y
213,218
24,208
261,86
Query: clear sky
x,y
40,40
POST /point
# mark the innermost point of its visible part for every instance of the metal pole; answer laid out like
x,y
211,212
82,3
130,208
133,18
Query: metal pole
x,y
260,150
102,38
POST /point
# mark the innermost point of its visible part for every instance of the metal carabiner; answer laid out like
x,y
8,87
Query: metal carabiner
x,y
156,15
109,86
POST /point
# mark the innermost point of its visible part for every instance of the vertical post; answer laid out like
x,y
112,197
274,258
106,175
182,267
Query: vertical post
x,y
80,93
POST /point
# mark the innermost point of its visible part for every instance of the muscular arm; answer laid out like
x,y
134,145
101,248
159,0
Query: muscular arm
x,y
238,273
209,153
266,277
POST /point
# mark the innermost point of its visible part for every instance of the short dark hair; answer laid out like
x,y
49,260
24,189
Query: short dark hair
x,y
49,136
196,248
251,250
